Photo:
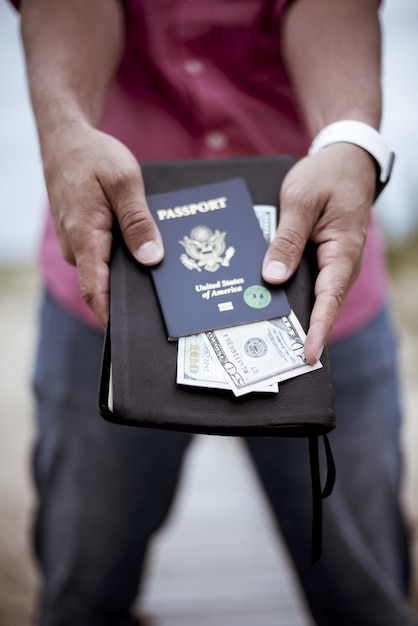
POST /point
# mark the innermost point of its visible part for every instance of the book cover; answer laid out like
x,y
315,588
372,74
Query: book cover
x,y
210,276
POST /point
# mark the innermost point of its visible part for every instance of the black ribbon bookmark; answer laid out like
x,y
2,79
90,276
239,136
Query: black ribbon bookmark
x,y
319,493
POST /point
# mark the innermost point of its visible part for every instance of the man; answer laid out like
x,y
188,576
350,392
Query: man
x,y
113,82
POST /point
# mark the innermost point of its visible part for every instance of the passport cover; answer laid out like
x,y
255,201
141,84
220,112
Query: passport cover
x,y
210,276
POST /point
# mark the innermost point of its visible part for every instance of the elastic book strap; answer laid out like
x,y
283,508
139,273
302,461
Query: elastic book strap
x,y
319,493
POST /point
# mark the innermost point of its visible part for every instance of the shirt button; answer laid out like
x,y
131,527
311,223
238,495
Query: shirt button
x,y
194,67
216,140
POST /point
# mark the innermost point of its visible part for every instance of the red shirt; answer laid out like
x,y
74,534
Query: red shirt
x,y
202,79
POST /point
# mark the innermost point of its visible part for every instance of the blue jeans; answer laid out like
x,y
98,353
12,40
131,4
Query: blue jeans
x,y
104,489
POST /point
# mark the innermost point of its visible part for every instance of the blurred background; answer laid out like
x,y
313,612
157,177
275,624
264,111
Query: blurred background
x,y
244,578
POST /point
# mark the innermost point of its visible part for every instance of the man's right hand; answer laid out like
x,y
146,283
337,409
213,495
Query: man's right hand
x,y
91,179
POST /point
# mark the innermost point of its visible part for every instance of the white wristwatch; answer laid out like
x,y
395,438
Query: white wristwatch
x,y
362,135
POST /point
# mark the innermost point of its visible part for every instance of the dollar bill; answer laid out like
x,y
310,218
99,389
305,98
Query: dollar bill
x,y
267,218
196,366
253,355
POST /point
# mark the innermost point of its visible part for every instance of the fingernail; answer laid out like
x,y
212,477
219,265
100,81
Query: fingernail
x,y
149,252
276,270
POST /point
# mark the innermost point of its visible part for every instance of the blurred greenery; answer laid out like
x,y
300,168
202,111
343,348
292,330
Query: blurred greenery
x,y
402,262
404,255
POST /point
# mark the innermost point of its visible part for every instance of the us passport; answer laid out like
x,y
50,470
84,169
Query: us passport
x,y
210,276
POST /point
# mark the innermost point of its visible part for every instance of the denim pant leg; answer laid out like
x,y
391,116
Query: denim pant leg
x,y
363,574
103,489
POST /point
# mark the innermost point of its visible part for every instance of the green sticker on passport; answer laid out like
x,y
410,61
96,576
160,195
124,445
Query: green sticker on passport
x,y
257,296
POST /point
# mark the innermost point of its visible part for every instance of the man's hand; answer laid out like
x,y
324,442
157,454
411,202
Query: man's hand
x,y
92,178
326,198
332,51
73,50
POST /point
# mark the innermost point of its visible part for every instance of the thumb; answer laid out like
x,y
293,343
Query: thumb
x,y
285,252
137,225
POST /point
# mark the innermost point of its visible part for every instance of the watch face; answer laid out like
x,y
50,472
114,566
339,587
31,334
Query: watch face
x,y
257,296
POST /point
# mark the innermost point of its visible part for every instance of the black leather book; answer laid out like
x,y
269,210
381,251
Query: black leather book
x,y
143,362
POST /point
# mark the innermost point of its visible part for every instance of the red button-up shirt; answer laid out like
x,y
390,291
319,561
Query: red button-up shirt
x,y
202,79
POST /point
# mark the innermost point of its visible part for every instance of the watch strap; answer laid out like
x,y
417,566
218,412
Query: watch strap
x,y
362,135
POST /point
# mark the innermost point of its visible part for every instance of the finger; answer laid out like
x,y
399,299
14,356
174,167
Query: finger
x,y
323,317
93,273
139,230
332,284
60,223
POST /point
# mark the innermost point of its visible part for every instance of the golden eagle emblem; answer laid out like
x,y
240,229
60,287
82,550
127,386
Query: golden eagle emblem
x,y
205,249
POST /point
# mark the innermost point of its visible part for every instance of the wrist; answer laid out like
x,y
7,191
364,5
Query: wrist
x,y
56,114
364,136
62,139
